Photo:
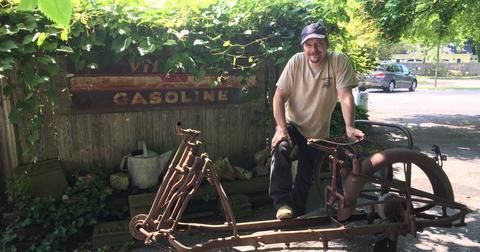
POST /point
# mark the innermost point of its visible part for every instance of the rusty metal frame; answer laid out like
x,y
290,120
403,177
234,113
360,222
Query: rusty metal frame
x,y
187,170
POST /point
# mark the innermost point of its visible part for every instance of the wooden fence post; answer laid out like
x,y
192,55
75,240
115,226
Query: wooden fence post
x,y
8,142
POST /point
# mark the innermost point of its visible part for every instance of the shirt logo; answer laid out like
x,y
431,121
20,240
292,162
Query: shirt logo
x,y
326,82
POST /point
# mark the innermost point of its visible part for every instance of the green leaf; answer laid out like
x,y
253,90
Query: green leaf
x,y
46,59
227,43
199,42
13,116
59,11
6,46
66,49
170,42
27,5
37,121
34,137
6,63
42,79
27,49
121,44
22,26
40,38
146,47
52,69
10,30
64,35
49,46
27,39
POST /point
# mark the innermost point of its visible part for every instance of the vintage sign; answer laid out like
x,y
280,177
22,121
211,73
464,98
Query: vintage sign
x,y
136,91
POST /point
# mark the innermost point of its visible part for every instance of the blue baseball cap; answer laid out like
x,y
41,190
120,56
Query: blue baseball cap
x,y
315,30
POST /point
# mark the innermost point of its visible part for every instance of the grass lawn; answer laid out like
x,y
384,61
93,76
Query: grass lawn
x,y
458,83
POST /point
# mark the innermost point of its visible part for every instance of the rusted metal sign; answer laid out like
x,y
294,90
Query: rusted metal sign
x,y
137,91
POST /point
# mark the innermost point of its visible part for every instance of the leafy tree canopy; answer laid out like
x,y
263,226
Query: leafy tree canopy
x,y
426,21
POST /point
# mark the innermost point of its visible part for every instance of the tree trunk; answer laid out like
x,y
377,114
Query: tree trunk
x,y
436,64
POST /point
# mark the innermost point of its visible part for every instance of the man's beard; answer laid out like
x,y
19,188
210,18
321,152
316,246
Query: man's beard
x,y
316,58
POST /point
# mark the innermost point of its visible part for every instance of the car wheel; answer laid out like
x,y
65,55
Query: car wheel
x,y
413,86
390,87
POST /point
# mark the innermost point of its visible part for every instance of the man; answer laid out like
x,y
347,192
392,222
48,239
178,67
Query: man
x,y
303,103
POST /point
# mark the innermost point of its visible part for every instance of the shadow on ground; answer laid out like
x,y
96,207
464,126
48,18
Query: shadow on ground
x,y
446,239
457,135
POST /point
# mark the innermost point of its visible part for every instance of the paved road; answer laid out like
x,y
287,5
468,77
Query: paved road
x,y
450,119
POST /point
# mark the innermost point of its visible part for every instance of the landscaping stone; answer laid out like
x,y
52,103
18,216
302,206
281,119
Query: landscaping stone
x,y
111,234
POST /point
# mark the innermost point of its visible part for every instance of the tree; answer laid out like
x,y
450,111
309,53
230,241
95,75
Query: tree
x,y
432,24
467,21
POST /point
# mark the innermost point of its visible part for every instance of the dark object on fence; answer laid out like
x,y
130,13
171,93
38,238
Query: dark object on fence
x,y
394,206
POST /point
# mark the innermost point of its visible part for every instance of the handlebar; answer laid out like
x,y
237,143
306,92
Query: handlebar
x,y
185,132
391,125
343,141
334,145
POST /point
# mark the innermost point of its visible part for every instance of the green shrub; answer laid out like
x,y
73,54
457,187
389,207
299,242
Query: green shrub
x,y
49,224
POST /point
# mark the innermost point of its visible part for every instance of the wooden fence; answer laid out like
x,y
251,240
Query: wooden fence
x,y
81,139
445,68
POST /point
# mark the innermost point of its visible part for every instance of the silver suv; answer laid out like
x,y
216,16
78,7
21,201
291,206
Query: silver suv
x,y
389,77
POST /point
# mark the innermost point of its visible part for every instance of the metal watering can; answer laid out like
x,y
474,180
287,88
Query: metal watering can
x,y
144,166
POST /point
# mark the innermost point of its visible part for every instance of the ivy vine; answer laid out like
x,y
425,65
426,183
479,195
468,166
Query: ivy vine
x,y
219,39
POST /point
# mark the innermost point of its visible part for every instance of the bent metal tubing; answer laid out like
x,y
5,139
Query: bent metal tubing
x,y
187,170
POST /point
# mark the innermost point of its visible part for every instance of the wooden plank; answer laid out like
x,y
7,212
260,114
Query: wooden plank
x,y
148,130
108,147
64,140
117,138
9,147
85,141
157,127
97,139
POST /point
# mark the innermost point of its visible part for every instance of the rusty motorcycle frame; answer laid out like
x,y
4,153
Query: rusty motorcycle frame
x,y
391,206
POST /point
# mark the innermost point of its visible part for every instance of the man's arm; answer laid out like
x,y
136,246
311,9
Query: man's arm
x,y
348,111
281,132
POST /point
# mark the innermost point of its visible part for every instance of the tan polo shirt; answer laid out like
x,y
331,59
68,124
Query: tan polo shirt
x,y
311,97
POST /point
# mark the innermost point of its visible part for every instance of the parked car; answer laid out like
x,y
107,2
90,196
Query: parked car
x,y
389,77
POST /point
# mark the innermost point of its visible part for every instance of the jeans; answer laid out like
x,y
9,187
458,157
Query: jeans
x,y
283,189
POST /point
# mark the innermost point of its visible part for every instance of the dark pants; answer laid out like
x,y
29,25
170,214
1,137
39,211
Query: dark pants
x,y
282,190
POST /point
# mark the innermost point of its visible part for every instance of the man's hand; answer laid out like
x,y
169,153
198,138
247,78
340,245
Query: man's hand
x,y
280,135
355,133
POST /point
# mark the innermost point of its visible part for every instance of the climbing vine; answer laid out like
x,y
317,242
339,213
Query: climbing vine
x,y
221,39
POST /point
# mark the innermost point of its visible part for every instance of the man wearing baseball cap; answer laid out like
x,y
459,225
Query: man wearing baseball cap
x,y
306,94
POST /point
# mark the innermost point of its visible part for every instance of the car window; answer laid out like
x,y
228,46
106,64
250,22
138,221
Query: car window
x,y
390,68
397,68
405,69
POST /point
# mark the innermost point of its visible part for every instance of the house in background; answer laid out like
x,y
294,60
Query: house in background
x,y
417,57
448,54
